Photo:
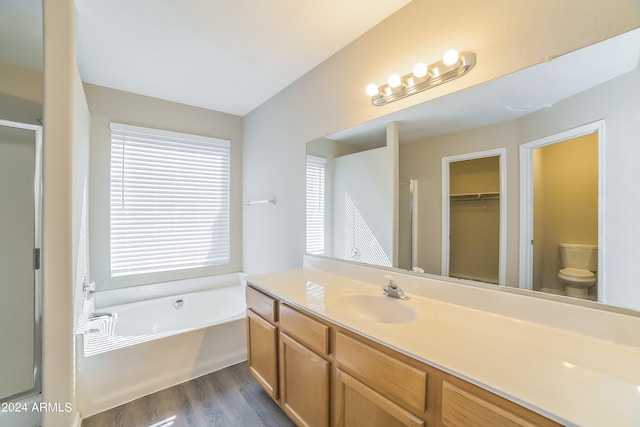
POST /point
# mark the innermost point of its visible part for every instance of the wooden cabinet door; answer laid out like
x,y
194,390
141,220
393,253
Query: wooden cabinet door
x,y
262,353
361,406
304,381
461,406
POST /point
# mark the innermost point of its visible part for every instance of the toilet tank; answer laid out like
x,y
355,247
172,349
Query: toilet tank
x,y
579,256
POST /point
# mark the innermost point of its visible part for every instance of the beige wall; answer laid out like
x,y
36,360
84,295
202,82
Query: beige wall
x,y
475,176
21,94
565,203
21,82
109,105
65,144
474,240
422,160
474,225
506,35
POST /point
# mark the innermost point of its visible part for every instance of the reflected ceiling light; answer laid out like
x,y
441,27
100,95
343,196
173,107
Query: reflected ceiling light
x,y
452,66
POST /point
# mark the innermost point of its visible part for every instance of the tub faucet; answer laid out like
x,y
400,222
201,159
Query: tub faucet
x,y
100,316
391,289
87,288
104,323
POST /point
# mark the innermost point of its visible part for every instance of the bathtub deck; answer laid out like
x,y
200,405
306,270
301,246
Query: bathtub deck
x,y
229,397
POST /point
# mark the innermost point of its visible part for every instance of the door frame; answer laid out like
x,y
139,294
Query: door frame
x,y
526,200
501,153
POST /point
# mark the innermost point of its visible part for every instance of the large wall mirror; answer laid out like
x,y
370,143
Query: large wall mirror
x,y
525,181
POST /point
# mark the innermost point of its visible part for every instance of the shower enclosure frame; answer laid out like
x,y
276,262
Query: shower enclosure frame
x,y
37,333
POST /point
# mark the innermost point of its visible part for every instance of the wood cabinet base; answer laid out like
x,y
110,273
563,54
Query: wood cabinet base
x,y
304,381
323,375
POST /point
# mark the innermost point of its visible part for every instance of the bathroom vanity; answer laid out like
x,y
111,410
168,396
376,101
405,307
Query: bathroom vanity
x,y
309,365
331,350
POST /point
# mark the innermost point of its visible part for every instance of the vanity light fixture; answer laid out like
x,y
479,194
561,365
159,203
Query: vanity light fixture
x,y
452,66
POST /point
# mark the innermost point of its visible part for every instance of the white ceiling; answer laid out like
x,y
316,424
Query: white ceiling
x,y
232,55
224,55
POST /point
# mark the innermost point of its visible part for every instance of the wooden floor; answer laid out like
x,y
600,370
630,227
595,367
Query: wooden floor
x,y
227,398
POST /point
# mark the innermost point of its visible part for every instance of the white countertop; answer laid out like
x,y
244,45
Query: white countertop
x,y
572,377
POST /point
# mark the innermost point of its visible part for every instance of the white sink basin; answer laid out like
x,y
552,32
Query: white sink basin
x,y
375,308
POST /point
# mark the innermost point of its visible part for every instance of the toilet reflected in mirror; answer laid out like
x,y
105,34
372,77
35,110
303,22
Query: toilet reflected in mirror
x,y
564,220
579,264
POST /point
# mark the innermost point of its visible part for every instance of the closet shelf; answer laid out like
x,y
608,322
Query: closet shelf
x,y
475,196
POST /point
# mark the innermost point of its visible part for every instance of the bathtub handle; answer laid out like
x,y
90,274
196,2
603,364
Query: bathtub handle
x,y
178,304
100,316
87,288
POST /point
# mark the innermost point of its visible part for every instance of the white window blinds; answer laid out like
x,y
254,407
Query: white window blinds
x,y
169,200
315,204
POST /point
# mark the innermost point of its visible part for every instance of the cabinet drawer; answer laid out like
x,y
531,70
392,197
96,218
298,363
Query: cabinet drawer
x,y
390,377
306,330
262,304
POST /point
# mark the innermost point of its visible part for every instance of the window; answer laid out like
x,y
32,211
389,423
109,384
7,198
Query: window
x,y
169,201
315,204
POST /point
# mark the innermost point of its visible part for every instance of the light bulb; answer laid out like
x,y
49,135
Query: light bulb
x,y
394,80
420,69
450,57
372,89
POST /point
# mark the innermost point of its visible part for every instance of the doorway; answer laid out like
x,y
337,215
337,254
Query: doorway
x,y
561,202
473,216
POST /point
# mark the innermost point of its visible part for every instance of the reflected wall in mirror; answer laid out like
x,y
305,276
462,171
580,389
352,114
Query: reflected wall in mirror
x,y
588,87
350,201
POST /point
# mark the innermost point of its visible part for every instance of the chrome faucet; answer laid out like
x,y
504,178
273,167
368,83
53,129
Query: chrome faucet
x,y
391,289
105,323
87,289
100,316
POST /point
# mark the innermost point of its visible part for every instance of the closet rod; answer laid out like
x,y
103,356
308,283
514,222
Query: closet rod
x,y
475,196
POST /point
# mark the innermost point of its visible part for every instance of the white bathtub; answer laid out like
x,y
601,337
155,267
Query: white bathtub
x,y
137,322
179,313
145,346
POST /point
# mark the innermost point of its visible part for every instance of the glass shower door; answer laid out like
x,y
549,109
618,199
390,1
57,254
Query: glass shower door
x,y
19,290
